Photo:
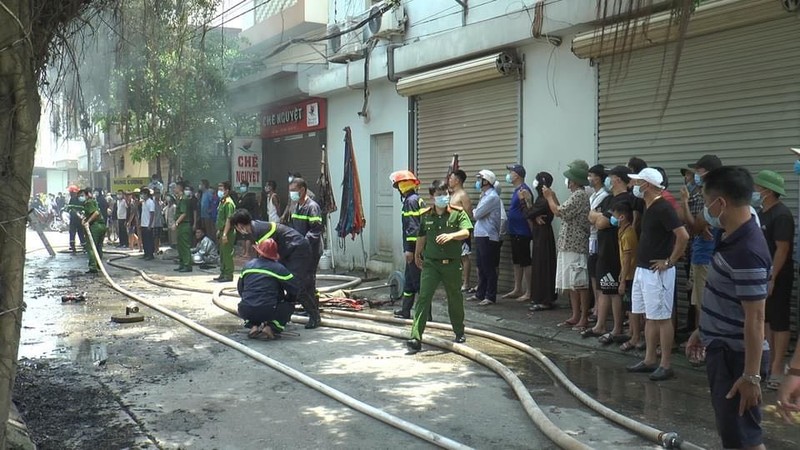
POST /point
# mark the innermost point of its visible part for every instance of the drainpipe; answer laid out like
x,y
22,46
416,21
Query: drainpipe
x,y
390,63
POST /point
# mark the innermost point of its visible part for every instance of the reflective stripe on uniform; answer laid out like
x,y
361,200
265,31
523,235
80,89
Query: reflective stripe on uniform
x,y
411,239
277,325
416,213
267,272
268,234
308,218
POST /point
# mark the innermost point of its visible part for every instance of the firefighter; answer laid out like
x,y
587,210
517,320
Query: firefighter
x,y
438,254
74,206
97,226
268,291
294,251
307,218
406,183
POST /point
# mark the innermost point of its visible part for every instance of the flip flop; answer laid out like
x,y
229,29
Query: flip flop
x,y
606,339
580,329
566,324
627,346
540,307
774,383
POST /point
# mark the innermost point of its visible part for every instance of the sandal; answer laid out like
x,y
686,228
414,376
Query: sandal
x,y
580,329
567,323
627,346
606,339
589,332
540,307
774,383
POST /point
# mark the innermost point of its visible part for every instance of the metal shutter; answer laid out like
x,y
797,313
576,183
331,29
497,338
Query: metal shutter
x,y
736,95
480,122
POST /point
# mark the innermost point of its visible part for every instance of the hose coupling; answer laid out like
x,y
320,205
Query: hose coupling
x,y
670,440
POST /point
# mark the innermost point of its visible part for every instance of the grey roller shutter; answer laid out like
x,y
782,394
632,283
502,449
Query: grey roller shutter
x,y
480,122
736,95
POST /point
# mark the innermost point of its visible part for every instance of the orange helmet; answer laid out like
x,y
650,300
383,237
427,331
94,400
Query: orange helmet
x,y
403,175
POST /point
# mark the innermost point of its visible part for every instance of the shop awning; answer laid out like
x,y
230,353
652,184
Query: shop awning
x,y
496,65
710,17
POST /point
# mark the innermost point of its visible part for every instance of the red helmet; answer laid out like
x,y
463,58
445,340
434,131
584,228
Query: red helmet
x,y
267,249
403,175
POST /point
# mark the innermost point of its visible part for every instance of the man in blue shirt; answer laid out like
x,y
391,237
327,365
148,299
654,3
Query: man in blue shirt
x,y
207,219
487,237
732,318
519,233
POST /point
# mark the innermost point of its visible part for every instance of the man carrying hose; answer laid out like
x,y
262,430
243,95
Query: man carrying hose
x,y
438,255
97,226
295,254
406,183
268,291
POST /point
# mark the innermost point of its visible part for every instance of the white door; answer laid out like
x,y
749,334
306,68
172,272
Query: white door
x,y
383,196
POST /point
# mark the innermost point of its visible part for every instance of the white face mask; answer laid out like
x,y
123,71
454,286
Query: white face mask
x,y
566,182
535,184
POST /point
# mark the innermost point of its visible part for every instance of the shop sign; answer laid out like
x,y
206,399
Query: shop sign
x,y
128,184
246,162
296,118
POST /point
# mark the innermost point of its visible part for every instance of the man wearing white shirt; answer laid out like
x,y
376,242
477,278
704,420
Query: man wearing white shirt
x,y
487,237
148,222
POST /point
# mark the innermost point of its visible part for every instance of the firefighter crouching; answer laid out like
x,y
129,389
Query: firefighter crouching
x,y
413,206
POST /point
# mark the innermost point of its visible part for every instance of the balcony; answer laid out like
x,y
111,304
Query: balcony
x,y
284,20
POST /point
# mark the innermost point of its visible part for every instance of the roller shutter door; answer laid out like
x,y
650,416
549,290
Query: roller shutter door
x,y
480,122
736,95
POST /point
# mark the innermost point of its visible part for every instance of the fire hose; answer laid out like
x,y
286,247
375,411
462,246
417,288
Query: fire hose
x,y
558,436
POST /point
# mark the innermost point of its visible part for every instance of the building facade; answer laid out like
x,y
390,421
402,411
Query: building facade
x,y
537,83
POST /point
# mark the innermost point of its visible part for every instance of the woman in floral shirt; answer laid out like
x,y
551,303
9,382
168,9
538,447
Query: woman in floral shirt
x,y
572,275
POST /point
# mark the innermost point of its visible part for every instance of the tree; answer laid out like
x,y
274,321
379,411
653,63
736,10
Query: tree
x,y
39,37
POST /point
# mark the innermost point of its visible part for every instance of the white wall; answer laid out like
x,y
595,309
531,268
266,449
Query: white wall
x,y
559,111
388,112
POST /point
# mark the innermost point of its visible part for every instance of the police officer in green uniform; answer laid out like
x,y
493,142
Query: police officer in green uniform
x,y
225,232
97,226
438,254
183,228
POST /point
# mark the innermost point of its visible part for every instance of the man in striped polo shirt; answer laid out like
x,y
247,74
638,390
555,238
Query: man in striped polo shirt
x,y
732,316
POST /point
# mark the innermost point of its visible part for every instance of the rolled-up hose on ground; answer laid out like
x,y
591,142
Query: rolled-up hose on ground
x,y
663,438
539,418
339,396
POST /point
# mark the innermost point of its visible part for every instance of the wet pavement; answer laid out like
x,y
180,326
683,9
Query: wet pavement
x,y
86,382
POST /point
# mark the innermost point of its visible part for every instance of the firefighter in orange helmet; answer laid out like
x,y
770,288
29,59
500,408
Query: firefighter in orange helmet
x,y
413,206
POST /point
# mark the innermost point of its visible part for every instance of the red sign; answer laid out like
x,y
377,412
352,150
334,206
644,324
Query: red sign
x,y
296,118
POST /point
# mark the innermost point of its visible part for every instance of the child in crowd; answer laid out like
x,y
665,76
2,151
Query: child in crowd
x,y
622,217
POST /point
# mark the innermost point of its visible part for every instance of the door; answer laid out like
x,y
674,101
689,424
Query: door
x,y
383,197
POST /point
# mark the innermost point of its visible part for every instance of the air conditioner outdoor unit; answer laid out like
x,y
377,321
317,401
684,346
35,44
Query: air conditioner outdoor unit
x,y
347,47
390,23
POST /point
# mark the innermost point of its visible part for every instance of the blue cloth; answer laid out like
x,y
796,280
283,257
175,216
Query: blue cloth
x,y
487,216
265,283
739,272
703,249
205,204
517,221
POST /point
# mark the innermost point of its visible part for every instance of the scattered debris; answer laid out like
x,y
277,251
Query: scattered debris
x,y
74,298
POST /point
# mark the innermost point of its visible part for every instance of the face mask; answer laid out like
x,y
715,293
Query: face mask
x,y
242,189
82,198
566,182
711,220
756,200
698,180
614,221
294,196
607,184
508,178
535,184
637,191
267,189
187,193
690,186
220,193
442,201
478,185
119,197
